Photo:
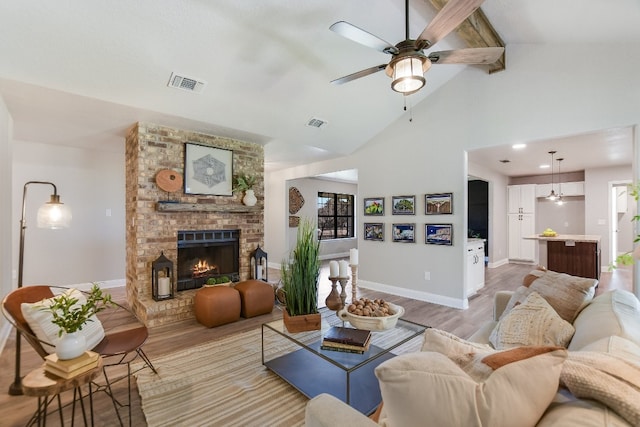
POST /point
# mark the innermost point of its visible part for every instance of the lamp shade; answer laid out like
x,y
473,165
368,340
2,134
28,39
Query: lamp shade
x,y
408,75
54,214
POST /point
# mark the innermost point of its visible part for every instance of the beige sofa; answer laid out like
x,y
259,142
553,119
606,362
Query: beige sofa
x,y
417,388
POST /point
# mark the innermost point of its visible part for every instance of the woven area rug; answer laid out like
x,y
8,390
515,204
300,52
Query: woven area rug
x,y
222,383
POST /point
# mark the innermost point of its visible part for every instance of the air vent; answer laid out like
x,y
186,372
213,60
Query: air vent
x,y
315,122
186,83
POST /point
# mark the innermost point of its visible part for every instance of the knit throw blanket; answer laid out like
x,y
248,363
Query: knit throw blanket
x,y
612,380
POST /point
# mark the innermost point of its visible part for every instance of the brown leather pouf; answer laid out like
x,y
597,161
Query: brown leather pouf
x,y
257,297
217,305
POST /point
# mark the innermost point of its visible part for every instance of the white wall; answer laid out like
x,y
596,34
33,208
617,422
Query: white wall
x,y
529,101
6,222
309,188
89,181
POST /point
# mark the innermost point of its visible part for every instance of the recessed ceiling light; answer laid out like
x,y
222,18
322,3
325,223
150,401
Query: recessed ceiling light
x,y
545,166
518,146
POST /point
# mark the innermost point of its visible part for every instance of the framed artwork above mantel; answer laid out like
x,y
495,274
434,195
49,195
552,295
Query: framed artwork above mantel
x,y
208,170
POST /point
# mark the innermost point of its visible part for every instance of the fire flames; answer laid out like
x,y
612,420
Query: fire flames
x,y
203,267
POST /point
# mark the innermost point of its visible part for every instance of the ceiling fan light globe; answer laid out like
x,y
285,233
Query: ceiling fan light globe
x,y
408,75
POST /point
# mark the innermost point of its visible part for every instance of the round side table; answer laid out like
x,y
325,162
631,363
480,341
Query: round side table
x,y
46,387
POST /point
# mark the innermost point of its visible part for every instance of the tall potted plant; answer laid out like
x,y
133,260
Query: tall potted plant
x,y
300,281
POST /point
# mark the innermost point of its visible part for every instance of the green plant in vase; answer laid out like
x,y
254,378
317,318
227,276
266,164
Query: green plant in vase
x,y
70,316
245,183
70,312
299,276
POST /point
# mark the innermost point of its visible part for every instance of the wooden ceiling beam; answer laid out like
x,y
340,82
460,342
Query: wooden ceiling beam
x,y
477,31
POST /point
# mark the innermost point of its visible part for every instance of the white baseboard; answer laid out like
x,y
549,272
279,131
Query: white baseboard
x,y
498,263
462,304
106,284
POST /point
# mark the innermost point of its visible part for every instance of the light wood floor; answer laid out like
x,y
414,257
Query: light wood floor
x,y
16,410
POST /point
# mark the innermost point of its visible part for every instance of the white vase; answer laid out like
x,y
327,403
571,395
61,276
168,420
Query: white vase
x,y
71,345
249,198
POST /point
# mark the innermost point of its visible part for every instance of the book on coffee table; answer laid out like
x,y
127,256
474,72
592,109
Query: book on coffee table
x,y
346,339
347,348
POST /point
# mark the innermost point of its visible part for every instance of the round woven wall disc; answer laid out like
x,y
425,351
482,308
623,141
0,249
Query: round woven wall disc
x,y
169,180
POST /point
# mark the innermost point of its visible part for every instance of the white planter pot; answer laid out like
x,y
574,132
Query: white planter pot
x,y
249,198
71,345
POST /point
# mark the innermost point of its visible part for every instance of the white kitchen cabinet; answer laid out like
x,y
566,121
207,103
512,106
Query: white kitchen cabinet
x,y
521,198
520,226
475,266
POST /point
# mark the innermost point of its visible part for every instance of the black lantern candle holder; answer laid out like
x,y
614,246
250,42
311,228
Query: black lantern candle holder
x,y
259,270
162,278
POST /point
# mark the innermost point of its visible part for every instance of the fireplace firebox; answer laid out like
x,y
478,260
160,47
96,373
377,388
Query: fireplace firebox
x,y
205,254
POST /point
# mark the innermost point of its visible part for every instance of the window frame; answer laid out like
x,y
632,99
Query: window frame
x,y
335,215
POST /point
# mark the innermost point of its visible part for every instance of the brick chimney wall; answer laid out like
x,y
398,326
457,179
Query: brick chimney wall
x,y
151,148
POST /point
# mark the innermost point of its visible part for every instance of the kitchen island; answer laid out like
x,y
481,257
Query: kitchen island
x,y
574,254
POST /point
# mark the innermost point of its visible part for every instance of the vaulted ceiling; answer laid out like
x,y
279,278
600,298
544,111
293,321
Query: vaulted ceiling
x,y
81,72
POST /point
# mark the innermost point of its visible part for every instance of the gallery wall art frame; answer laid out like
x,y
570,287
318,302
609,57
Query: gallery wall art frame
x,y
374,231
208,170
403,205
438,234
404,233
374,206
438,204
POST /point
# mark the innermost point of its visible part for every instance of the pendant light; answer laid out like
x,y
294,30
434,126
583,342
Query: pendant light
x,y
559,202
552,196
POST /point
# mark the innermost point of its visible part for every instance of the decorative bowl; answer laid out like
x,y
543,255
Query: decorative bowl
x,y
373,323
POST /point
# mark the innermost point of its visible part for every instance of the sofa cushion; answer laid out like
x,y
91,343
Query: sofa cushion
x,y
532,323
566,294
581,413
40,322
607,378
615,312
615,345
442,393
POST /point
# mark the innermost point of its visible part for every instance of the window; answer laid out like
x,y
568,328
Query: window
x,y
335,215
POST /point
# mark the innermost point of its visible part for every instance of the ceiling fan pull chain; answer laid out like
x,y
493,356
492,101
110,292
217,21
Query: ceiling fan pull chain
x,y
404,98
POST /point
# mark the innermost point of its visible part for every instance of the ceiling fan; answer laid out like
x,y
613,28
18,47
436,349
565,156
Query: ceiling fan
x,y
408,60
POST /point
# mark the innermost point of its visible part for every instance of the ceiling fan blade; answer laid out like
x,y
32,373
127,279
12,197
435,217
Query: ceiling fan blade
x,y
363,37
449,18
480,55
359,74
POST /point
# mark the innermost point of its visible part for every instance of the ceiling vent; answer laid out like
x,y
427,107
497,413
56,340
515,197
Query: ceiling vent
x,y
186,83
315,122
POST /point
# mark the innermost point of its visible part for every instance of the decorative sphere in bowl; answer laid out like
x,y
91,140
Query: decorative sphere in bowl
x,y
372,323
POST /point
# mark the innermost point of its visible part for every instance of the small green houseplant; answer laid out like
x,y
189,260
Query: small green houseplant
x,y
70,316
299,277
245,183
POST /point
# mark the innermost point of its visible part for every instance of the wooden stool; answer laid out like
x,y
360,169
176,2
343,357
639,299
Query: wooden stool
x,y
257,297
47,387
217,305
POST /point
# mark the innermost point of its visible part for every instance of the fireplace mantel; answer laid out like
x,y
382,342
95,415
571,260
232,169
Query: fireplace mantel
x,y
206,207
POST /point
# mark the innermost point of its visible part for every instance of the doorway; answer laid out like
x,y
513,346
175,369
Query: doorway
x,y
478,212
622,212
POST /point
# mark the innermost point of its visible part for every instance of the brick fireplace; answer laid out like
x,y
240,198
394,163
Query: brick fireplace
x,y
153,225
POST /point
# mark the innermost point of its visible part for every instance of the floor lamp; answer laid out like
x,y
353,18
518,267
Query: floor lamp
x,y
53,215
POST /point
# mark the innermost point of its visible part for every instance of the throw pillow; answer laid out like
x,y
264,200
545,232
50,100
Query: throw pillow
x,y
533,275
40,322
610,379
532,323
566,294
429,386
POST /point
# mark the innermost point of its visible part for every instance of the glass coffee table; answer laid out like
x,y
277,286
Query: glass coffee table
x,y
298,359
